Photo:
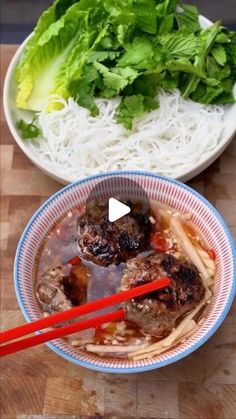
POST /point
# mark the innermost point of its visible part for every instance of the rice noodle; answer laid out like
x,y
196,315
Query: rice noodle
x,y
114,348
167,140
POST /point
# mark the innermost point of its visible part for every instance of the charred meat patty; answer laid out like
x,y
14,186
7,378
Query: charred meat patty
x,y
104,242
60,290
158,313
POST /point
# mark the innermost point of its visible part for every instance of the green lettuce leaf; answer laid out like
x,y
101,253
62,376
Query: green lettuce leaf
x,y
48,17
38,73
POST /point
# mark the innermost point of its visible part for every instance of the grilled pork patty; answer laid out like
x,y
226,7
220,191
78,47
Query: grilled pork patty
x,y
104,242
60,291
158,313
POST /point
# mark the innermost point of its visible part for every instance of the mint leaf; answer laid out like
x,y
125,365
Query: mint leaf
x,y
165,7
218,52
184,65
188,18
180,45
207,94
145,13
231,55
28,130
166,24
206,39
214,70
222,38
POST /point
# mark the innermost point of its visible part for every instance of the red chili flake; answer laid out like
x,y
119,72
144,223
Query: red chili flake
x,y
74,261
159,243
211,253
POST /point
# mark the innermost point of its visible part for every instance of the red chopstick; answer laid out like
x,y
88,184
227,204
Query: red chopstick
x,y
37,325
63,316
60,332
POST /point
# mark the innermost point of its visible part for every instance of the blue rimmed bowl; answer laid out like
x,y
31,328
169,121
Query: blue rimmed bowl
x,y
207,221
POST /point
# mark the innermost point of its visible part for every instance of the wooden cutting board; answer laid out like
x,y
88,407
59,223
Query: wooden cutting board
x,y
37,383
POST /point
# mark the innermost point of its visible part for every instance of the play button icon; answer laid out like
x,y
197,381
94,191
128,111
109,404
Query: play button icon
x,y
118,196
115,225
116,209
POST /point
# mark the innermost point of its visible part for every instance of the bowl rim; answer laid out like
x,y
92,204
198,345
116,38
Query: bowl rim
x,y
187,173
217,215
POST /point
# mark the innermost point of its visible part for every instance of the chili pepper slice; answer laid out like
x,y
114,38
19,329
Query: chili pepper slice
x,y
74,261
211,253
159,242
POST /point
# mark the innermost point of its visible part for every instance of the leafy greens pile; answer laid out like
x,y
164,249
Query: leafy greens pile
x,y
131,48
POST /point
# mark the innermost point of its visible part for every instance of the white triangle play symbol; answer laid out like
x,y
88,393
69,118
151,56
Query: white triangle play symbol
x,y
117,209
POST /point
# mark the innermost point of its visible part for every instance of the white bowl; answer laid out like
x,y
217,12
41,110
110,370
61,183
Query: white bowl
x,y
13,115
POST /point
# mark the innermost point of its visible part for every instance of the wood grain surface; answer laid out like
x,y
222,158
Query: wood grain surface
x,y
37,383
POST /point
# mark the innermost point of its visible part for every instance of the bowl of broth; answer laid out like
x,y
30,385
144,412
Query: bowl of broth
x,y
71,253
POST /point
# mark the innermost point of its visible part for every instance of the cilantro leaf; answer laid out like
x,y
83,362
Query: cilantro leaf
x,y
132,107
102,56
82,90
146,85
28,130
116,78
139,54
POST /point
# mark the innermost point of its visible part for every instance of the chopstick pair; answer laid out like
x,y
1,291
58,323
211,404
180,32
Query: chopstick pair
x,y
63,316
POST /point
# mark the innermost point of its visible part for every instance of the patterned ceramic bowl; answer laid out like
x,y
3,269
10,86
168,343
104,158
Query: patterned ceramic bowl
x,y
207,221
